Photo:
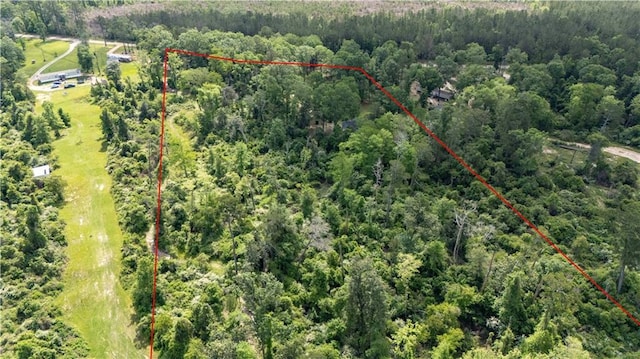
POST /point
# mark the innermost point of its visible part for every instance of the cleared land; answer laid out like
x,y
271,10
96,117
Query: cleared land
x,y
71,61
92,300
41,53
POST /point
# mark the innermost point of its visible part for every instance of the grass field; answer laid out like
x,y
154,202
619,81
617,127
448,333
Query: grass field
x,y
129,69
92,300
71,60
40,51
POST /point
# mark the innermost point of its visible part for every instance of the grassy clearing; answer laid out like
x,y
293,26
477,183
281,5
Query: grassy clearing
x,y
92,300
571,158
129,69
41,52
71,60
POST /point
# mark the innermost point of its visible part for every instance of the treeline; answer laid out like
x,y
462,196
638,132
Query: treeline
x,y
32,256
581,96
547,51
556,29
54,17
302,216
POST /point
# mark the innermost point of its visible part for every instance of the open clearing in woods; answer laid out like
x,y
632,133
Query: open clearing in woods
x,y
92,300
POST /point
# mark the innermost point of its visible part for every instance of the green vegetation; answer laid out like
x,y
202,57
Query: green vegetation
x,y
32,256
41,52
305,216
130,69
92,301
71,60
368,240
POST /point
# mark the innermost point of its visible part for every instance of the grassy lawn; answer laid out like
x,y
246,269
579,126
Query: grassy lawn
x,y
40,51
92,300
129,69
71,61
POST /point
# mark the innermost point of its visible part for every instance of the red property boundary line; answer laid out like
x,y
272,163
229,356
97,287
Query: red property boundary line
x,y
405,110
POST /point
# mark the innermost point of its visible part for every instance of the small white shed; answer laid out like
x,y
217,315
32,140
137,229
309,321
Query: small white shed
x,y
41,171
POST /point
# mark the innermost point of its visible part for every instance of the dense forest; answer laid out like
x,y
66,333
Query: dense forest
x,y
305,216
32,252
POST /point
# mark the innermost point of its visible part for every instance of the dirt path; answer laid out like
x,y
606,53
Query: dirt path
x,y
614,150
623,152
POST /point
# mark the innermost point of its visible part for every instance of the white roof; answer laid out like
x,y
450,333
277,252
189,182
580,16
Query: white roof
x,y
41,171
118,56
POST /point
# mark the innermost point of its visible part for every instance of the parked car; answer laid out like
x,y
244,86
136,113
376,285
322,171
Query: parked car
x,y
57,82
55,85
69,85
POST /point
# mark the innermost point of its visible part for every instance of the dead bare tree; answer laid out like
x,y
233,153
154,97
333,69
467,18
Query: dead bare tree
x,y
377,172
318,233
462,216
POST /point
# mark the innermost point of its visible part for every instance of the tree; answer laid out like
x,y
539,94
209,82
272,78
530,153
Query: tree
x,y
596,167
231,211
516,56
12,59
318,233
108,127
598,74
41,131
182,332
406,340
448,344
472,75
511,306
625,172
52,118
35,237
446,66
611,113
113,72
462,216
209,99
262,293
55,186
196,350
535,78
523,111
191,80
18,25
41,30
543,339
428,77
307,202
634,109
202,317
582,110
282,241
66,119
627,227
142,291
85,58
473,54
407,268
366,310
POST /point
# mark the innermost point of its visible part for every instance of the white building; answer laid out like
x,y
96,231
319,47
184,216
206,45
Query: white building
x,y
119,58
41,171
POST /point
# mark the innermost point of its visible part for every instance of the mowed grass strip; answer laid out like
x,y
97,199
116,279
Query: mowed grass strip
x,y
92,300
41,53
